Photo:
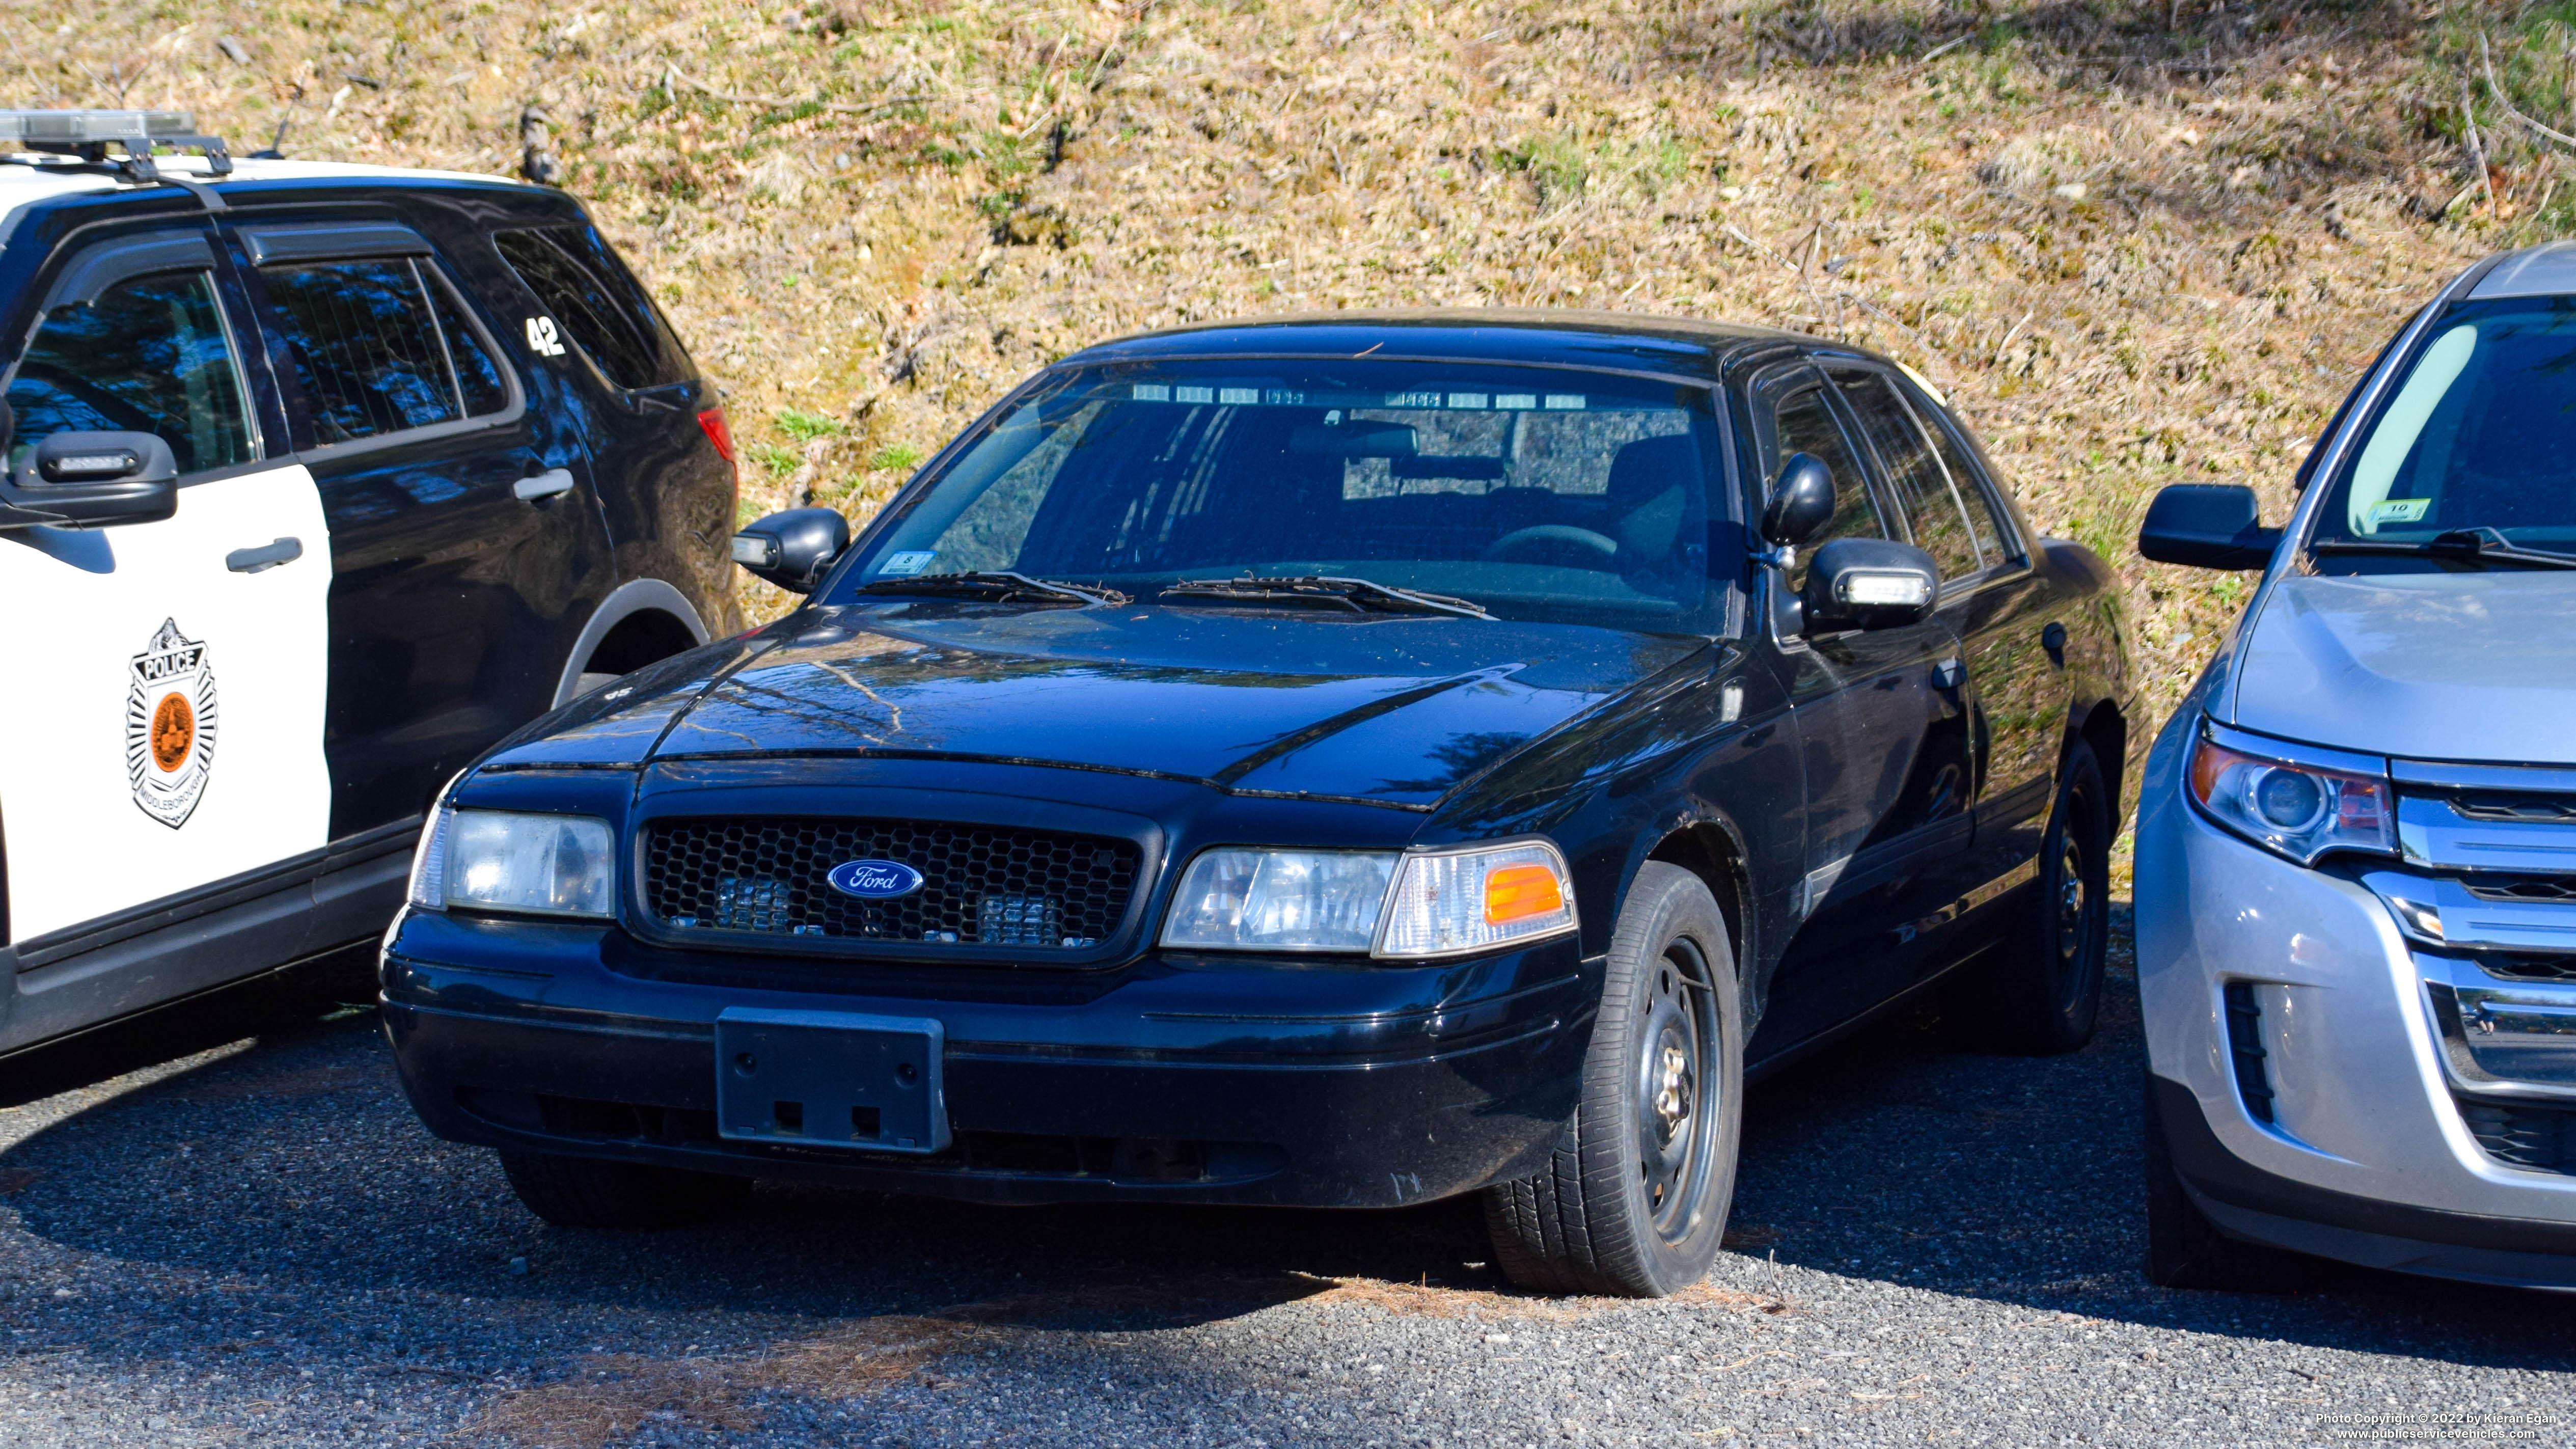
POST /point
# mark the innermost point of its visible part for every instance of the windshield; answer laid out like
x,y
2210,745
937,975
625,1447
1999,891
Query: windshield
x,y
1545,495
2481,435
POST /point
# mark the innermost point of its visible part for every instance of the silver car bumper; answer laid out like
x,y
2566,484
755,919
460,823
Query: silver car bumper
x,y
2326,1086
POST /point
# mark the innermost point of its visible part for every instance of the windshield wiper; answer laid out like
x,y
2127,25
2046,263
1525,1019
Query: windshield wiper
x,y
1359,595
2468,545
999,588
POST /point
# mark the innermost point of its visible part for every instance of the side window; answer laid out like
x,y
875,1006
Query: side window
x,y
1982,519
1803,421
597,302
380,347
150,355
1934,512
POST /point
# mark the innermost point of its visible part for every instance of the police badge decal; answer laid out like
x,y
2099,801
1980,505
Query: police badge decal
x,y
169,725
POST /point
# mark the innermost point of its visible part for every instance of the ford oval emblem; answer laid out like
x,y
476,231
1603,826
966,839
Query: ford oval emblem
x,y
874,880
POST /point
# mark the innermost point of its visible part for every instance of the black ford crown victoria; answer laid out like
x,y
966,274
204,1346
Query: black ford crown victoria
x,y
1342,762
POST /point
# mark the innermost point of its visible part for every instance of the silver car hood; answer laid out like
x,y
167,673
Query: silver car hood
x,y
2468,666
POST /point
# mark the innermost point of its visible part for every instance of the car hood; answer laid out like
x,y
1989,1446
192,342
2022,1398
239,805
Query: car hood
x,y
2470,666
1395,710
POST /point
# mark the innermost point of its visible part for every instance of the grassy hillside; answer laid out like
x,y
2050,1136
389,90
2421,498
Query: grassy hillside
x,y
2137,244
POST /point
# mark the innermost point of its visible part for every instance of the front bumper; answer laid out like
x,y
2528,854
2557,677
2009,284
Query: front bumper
x,y
1200,1079
2367,1154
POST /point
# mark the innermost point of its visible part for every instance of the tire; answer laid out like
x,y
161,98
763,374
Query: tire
x,y
2186,1250
587,1192
2043,996
1633,1202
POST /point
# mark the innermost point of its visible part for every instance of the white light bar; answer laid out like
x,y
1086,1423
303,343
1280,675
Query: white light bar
x,y
83,127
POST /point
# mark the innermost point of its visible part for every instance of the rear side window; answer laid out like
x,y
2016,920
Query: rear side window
x,y
598,303
1933,509
380,347
150,355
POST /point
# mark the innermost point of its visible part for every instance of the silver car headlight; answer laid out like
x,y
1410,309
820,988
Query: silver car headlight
x,y
511,860
2297,801
1422,903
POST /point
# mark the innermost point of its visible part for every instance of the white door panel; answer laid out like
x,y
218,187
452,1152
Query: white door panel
x,y
113,793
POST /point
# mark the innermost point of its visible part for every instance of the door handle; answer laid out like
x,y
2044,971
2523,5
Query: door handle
x,y
543,485
266,556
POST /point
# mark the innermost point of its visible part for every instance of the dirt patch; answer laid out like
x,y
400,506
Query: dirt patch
x,y
609,1396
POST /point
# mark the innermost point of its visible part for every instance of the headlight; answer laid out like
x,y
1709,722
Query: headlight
x,y
508,860
1280,900
1428,903
2301,807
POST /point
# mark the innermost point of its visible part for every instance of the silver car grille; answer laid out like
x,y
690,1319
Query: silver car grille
x,y
2493,852
2490,875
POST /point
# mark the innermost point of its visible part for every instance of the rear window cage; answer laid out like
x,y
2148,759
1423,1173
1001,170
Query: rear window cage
x,y
581,282
446,338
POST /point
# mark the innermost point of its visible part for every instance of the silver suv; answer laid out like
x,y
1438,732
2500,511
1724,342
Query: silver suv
x,y
2356,852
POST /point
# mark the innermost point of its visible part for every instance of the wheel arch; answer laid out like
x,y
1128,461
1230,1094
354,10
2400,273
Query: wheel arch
x,y
1710,851
2105,728
641,615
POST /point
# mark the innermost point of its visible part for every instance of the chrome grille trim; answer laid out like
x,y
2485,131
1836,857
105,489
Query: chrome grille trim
x,y
2434,830
2518,779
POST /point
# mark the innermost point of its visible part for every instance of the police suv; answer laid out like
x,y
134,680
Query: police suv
x,y
320,479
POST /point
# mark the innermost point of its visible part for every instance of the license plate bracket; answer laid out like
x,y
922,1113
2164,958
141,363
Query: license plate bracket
x,y
831,1079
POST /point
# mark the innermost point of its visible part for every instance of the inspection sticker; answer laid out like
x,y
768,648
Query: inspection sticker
x,y
2400,510
900,565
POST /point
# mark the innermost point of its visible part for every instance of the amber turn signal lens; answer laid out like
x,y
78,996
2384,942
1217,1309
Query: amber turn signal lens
x,y
1517,892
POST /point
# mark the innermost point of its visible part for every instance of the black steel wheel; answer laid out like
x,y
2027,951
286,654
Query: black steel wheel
x,y
1634,1201
588,1192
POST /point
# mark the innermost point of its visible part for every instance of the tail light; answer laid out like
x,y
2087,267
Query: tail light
x,y
713,422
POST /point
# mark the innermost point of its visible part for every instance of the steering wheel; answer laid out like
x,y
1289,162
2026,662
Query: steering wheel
x,y
1552,537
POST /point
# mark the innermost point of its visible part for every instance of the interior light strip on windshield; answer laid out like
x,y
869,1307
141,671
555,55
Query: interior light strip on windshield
x,y
1418,399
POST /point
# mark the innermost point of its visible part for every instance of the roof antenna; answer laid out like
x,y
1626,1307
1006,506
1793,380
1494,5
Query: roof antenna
x,y
276,144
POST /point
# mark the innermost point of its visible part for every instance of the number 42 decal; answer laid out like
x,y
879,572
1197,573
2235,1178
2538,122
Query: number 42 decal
x,y
543,339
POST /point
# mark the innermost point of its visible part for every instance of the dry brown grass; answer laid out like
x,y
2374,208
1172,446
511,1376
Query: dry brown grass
x,y
2132,254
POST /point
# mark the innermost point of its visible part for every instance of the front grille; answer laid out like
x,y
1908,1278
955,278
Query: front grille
x,y
2245,1047
2541,809
981,885
2530,968
2525,888
2540,1138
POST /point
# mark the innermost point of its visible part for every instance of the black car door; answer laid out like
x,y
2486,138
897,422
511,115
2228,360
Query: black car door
x,y
466,549
1884,739
2012,618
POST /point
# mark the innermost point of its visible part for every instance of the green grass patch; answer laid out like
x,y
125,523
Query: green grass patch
x,y
805,427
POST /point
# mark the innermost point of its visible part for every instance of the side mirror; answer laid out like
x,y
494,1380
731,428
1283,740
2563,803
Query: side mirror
x,y
1869,583
1802,502
792,549
92,480
2207,526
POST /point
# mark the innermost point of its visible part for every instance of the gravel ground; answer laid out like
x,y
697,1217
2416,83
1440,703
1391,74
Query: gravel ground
x,y
253,1242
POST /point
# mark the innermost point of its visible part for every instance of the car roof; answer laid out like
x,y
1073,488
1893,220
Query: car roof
x,y
2547,270
1626,341
22,187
